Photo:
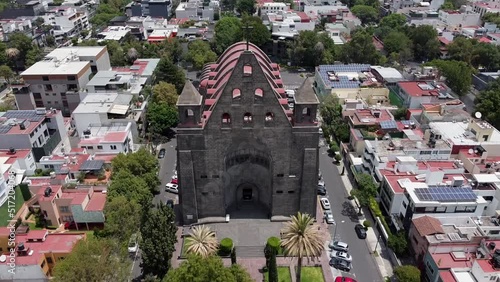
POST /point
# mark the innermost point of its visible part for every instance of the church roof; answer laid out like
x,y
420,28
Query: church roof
x,y
305,94
189,95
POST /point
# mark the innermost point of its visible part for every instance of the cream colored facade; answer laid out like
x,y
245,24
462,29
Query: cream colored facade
x,y
371,95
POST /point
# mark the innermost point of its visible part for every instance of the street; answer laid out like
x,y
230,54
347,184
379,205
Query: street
x,y
345,215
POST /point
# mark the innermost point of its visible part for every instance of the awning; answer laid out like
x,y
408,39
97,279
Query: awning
x,y
92,165
119,109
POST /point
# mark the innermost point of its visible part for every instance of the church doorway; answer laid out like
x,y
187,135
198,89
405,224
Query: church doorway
x,y
247,194
247,203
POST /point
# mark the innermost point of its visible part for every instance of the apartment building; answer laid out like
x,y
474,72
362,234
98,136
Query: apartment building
x,y
152,8
456,19
83,206
288,22
115,33
66,21
37,252
115,82
113,138
14,165
197,10
38,130
143,68
415,93
273,7
56,81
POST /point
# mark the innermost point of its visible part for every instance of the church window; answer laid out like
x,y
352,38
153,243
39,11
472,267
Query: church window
x,y
189,113
236,93
203,176
247,117
226,118
279,192
306,112
280,175
291,192
269,116
259,92
247,70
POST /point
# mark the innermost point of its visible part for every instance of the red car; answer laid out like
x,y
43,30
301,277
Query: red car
x,y
344,279
69,225
174,181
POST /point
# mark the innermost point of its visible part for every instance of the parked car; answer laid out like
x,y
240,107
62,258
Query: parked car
x,y
339,246
172,188
133,243
325,203
321,190
174,176
301,70
341,255
344,279
329,217
174,181
170,203
320,176
340,264
361,231
321,183
161,154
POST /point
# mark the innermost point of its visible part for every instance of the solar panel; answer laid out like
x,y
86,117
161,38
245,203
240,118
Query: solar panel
x,y
388,124
446,194
92,165
24,114
4,128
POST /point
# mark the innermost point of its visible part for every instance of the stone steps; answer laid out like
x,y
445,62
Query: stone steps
x,y
249,251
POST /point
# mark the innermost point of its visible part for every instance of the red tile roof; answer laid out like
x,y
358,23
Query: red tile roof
x,y
37,234
97,202
412,88
4,231
114,137
447,261
41,192
427,225
486,265
447,276
19,154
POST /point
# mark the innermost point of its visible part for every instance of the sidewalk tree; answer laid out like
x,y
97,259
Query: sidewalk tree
x,y
407,273
93,260
301,239
311,49
199,269
141,164
366,190
394,21
366,14
122,218
158,233
6,73
168,71
259,34
425,42
227,32
487,103
161,118
398,243
360,49
132,187
458,75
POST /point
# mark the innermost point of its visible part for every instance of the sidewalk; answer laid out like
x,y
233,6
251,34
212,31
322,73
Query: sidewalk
x,y
383,264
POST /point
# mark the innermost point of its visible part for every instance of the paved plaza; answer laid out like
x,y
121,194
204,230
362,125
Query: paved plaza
x,y
246,232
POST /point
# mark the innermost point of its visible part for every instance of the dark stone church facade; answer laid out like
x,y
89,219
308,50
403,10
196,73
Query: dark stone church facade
x,y
240,146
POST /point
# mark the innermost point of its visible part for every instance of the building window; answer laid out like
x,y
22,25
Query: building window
x,y
236,93
279,192
247,117
99,147
247,70
72,87
39,104
48,87
71,77
37,95
259,92
49,260
306,112
189,113
226,118
54,94
269,116
64,209
90,147
45,78
113,147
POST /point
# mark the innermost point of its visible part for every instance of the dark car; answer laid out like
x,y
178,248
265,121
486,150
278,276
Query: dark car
x,y
361,231
161,154
170,203
340,264
321,190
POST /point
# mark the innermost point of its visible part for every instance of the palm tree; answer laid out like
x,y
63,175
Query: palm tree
x,y
132,54
301,238
202,241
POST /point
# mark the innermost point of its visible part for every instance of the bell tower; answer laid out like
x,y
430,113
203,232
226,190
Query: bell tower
x,y
306,105
189,105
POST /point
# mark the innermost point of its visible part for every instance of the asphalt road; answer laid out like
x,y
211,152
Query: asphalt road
x,y
345,215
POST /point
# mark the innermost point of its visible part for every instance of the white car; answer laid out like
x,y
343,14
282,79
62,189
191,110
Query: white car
x,y
329,217
341,255
133,243
172,188
339,246
325,203
174,177
321,182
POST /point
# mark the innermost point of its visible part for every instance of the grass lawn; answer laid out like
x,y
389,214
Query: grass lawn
x,y
4,209
184,247
312,274
283,274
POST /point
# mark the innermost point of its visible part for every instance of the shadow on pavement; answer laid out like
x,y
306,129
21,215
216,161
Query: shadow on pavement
x,y
349,211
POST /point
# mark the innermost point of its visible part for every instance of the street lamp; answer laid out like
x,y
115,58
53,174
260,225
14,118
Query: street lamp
x,y
335,232
378,240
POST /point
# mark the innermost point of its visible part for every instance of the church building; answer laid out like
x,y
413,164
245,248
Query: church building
x,y
241,150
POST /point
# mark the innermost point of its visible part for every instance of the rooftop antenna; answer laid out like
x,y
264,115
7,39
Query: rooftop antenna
x,y
478,115
247,29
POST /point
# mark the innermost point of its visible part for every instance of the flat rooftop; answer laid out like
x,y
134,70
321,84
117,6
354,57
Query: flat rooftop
x,y
113,133
112,103
458,134
56,68
342,76
82,51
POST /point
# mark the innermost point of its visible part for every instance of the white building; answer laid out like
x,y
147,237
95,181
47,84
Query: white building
x,y
455,19
273,7
66,22
113,81
196,10
116,33
290,22
108,139
14,165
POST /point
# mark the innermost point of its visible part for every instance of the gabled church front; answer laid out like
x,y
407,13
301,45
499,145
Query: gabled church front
x,y
240,148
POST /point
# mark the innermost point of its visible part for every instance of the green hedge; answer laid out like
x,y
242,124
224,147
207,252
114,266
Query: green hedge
x,y
226,246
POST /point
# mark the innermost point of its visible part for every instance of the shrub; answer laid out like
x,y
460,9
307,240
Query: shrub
x,y
226,246
334,147
338,157
367,224
101,176
273,243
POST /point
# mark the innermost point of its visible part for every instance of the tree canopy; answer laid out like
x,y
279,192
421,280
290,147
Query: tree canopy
x,y
122,218
425,42
199,269
311,49
93,260
161,118
227,32
131,187
259,34
399,44
487,103
164,92
398,243
246,7
366,14
360,49
158,232
199,53
407,273
458,75
333,123
393,21
169,72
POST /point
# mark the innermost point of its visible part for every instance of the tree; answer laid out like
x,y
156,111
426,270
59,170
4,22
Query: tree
x,y
93,260
311,49
131,187
393,21
331,113
487,103
458,75
447,6
34,55
22,43
141,164
167,71
486,55
425,42
491,18
202,241
246,7
6,73
398,243
200,269
407,273
122,218
227,32
165,93
259,34
132,54
397,42
300,239
272,267
158,239
462,49
366,14
161,118
199,53
360,49
366,190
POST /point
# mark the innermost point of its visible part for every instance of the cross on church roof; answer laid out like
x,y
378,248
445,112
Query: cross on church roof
x,y
247,28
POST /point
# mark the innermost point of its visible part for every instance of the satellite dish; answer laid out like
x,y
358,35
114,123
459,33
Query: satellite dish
x,y
478,115
3,258
471,151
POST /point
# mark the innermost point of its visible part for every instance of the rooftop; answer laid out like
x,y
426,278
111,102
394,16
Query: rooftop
x,y
113,133
427,225
114,33
346,76
63,53
56,68
388,74
458,133
21,121
112,103
423,88
143,67
368,116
